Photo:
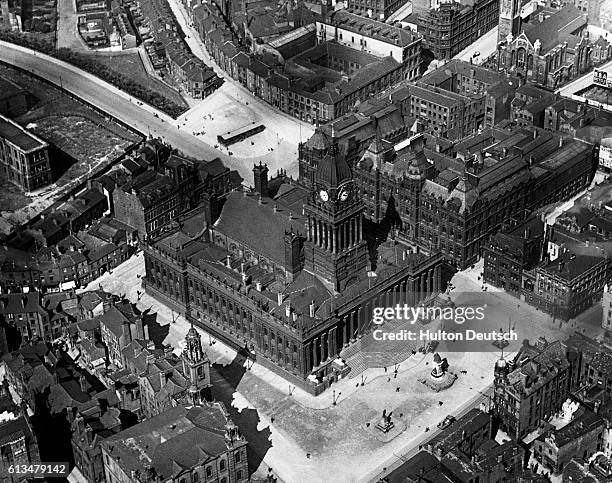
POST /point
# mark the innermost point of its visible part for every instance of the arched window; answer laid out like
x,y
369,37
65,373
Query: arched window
x,y
520,60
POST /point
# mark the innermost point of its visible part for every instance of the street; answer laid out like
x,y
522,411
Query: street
x,y
129,110
232,106
485,46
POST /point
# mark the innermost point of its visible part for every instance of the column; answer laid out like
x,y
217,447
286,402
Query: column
x,y
321,234
430,281
325,236
315,352
358,234
310,237
335,238
345,331
422,294
331,346
322,339
347,236
438,273
352,325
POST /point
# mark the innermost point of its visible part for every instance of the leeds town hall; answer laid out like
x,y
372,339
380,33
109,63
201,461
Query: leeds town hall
x,y
289,272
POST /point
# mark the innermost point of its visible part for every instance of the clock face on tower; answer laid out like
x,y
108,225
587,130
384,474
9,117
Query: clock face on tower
x,y
324,195
344,194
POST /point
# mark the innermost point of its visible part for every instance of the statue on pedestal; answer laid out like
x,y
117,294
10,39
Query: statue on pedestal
x,y
385,424
438,370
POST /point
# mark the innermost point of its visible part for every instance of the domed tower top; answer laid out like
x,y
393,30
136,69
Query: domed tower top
x,y
193,345
318,141
333,171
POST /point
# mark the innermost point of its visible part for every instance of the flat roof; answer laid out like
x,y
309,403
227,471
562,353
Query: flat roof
x,y
19,136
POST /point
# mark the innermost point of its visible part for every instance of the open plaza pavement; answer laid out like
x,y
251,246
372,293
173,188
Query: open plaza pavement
x,y
307,433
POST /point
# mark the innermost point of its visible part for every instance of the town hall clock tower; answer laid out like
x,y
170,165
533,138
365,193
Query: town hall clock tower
x,y
335,248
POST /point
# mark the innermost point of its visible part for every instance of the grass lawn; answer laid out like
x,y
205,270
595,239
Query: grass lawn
x,y
130,64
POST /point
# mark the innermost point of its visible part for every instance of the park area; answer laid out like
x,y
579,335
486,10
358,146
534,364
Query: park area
x,y
130,65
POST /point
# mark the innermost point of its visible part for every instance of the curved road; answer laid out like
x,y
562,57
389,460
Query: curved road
x,y
118,104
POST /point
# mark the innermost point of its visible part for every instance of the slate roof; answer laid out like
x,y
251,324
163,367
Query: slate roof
x,y
20,137
564,22
20,303
257,226
176,439
372,28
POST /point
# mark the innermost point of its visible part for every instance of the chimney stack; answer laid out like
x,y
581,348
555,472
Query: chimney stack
x,y
228,261
258,286
311,308
287,310
279,299
295,316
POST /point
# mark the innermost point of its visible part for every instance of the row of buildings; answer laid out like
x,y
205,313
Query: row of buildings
x,y
117,392
444,196
157,23
95,231
549,415
67,248
560,268
315,68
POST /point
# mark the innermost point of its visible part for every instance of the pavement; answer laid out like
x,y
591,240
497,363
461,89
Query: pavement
x,y
298,434
141,116
67,32
401,13
486,45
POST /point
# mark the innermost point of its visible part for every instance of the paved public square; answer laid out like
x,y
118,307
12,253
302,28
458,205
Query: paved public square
x,y
307,433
